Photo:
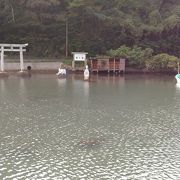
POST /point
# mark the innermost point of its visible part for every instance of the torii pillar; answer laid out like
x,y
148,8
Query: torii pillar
x,y
2,72
2,59
21,60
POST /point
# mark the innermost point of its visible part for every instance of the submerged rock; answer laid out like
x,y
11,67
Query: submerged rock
x,y
90,143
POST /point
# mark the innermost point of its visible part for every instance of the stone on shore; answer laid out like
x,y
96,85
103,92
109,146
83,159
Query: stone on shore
x,y
4,74
23,74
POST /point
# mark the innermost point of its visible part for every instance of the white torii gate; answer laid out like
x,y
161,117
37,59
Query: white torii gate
x,y
12,48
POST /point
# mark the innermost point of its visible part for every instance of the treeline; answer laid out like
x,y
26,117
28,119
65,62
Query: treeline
x,y
95,26
145,58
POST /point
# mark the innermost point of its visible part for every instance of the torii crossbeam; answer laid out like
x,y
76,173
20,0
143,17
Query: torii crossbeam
x,y
12,48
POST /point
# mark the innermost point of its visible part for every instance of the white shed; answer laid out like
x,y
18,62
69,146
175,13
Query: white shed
x,y
79,56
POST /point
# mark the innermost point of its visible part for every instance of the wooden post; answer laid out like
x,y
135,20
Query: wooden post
x,y
67,36
2,58
73,64
85,63
114,65
91,66
108,65
21,59
12,11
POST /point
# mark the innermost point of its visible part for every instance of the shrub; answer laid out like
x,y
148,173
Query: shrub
x,y
137,56
162,62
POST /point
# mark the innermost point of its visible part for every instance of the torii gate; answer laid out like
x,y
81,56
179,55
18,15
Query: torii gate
x,y
12,48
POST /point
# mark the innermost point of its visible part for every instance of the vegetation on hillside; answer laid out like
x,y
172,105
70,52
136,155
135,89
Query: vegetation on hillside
x,y
144,58
95,26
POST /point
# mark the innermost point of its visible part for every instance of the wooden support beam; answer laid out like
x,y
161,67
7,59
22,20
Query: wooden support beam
x,y
91,65
73,64
85,63
114,65
108,65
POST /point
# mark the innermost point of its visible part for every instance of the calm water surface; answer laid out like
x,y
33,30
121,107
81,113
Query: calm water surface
x,y
108,128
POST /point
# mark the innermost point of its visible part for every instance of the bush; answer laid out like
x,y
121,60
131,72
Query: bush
x,y
162,62
137,56
67,61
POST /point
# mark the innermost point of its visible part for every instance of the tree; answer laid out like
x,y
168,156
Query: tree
x,y
60,26
137,56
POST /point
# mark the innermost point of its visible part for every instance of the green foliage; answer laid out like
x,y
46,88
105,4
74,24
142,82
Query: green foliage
x,y
67,61
141,58
94,26
123,51
162,62
172,22
136,55
155,18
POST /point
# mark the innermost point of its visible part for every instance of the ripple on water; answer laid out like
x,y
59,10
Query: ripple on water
x,y
66,138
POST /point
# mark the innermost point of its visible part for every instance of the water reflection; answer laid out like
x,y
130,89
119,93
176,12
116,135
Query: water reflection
x,y
86,89
22,88
119,80
178,86
2,85
108,80
61,82
109,128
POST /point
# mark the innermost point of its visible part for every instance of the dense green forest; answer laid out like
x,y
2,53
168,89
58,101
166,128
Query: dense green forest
x,y
95,26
